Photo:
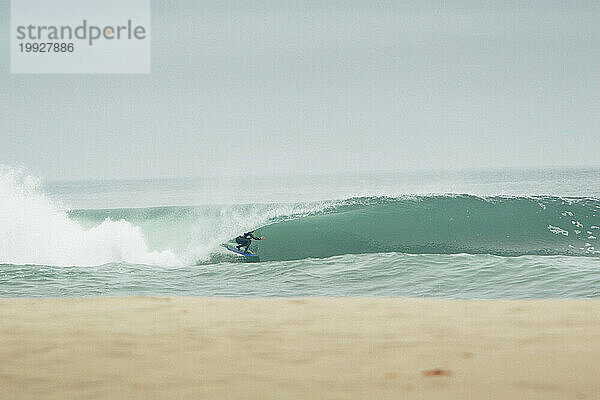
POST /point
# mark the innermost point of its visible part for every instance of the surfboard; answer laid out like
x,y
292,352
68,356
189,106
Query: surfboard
x,y
233,249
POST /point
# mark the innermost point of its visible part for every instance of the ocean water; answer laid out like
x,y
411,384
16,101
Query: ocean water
x,y
529,233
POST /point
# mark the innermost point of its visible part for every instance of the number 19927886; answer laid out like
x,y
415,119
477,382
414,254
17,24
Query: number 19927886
x,y
46,47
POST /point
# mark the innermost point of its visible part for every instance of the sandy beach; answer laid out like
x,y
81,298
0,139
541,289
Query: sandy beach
x,y
334,348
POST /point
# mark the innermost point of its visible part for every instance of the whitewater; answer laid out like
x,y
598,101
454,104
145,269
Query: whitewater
x,y
463,234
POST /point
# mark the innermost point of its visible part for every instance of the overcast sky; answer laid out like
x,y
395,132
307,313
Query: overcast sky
x,y
321,87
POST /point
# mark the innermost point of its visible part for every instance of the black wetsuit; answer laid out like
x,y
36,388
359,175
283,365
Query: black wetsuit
x,y
245,240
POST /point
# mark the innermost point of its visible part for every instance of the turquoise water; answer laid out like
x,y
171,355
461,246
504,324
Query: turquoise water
x,y
381,274
463,234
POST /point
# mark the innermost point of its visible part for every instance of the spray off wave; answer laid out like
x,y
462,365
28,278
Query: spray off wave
x,y
33,230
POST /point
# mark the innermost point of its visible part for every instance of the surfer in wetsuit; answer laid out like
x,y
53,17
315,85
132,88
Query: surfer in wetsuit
x,y
245,240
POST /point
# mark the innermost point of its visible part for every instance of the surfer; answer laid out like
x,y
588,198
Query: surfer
x,y
245,240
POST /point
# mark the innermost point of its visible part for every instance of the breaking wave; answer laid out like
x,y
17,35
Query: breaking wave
x,y
35,230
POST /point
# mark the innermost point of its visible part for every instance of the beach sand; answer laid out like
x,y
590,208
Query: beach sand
x,y
303,348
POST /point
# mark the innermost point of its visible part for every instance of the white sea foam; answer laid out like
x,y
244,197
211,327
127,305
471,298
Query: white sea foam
x,y
210,232
33,230
557,231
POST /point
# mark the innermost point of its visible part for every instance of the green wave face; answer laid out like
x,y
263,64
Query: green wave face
x,y
439,224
